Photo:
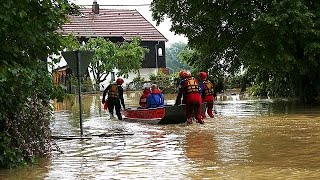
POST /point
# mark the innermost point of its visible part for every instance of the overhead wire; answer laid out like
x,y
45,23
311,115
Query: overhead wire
x,y
120,5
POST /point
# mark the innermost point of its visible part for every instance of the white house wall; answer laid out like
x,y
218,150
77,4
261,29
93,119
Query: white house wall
x,y
144,73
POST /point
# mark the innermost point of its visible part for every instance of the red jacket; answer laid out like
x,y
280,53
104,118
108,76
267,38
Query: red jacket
x,y
143,98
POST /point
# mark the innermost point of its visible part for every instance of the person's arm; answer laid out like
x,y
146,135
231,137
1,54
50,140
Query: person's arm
x,y
162,100
120,89
140,100
105,93
201,87
179,96
180,91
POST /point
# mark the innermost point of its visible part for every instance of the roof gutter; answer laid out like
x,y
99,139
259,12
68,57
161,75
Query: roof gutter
x,y
156,48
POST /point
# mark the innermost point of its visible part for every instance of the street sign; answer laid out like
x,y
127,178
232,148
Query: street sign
x,y
72,58
78,61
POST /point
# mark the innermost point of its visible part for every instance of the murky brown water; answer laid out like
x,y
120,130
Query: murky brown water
x,y
247,139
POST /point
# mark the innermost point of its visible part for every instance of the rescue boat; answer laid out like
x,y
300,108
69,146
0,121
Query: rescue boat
x,y
168,114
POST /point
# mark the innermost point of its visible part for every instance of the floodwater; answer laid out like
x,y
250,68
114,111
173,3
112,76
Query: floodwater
x,y
247,139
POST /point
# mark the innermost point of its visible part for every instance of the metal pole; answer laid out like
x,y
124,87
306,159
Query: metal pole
x,y
79,90
156,47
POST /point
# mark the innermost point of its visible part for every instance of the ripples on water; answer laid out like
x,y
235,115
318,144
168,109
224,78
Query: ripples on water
x,y
247,139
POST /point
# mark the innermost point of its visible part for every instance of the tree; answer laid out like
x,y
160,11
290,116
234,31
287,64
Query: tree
x,y
28,34
275,39
125,56
172,57
200,62
130,56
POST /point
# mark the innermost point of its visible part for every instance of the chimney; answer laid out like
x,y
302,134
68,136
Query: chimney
x,y
95,7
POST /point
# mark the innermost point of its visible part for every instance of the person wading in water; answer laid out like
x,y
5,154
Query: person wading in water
x,y
189,91
115,98
207,89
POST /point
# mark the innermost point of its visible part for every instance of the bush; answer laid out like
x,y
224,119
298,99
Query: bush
x,y
29,30
136,84
25,113
167,83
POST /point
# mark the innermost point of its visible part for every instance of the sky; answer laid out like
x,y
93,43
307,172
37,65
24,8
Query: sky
x,y
163,28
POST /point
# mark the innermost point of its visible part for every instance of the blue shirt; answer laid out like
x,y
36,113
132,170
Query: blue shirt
x,y
155,100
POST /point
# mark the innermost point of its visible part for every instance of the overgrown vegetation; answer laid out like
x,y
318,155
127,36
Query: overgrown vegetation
x,y
276,42
167,83
172,57
124,56
28,35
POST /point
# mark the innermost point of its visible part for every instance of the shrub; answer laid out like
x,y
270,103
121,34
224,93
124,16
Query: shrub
x,y
25,113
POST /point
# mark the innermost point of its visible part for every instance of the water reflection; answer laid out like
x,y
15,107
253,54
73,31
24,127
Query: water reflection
x,y
247,139
290,140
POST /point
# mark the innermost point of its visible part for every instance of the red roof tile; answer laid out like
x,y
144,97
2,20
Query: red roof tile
x,y
112,23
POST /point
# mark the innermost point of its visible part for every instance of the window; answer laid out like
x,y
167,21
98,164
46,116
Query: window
x,y
113,77
160,52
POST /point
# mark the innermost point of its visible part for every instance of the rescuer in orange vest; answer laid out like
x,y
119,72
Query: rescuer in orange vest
x,y
115,97
207,91
190,92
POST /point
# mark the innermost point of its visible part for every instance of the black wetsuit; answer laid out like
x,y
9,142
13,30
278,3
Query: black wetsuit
x,y
115,99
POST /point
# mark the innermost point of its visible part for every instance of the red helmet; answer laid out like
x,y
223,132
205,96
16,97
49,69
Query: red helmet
x,y
183,74
203,75
188,73
119,81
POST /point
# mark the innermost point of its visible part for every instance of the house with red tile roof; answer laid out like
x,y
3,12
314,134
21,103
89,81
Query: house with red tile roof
x,y
120,25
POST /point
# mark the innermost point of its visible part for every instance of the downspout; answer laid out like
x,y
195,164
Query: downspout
x,y
156,46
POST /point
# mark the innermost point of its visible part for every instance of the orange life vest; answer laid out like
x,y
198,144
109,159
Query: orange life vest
x,y
113,91
208,88
190,86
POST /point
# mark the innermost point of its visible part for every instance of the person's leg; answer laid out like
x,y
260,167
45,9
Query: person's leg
x,y
118,108
210,107
111,107
193,104
197,112
189,109
203,110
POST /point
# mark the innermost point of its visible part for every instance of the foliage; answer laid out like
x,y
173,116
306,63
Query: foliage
x,y
233,81
86,84
25,112
28,29
125,56
130,56
172,57
269,38
167,83
199,62
136,83
104,59
164,82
